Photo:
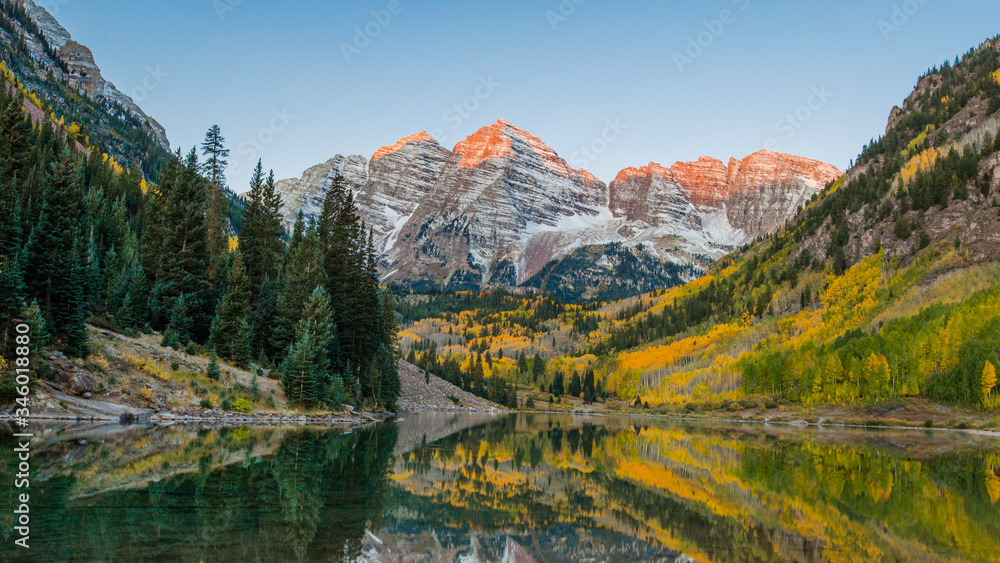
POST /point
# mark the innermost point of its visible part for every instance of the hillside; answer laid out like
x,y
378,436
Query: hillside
x,y
884,287
65,81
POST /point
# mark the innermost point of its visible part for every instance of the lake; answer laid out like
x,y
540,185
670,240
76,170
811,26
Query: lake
x,y
526,487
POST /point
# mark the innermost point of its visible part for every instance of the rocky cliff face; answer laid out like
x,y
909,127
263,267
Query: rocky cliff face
x,y
712,204
84,75
503,209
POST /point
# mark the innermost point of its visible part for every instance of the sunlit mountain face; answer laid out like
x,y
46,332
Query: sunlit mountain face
x,y
513,488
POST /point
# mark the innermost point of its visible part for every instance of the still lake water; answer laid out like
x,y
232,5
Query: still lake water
x,y
442,487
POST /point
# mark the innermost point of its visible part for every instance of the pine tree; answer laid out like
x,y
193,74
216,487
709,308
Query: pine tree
x,y
233,313
298,372
179,262
385,363
589,392
302,273
478,383
213,147
537,367
241,348
262,232
53,266
575,386
557,384
213,371
178,332
12,293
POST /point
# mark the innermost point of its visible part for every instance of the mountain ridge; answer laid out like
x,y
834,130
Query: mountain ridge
x,y
502,206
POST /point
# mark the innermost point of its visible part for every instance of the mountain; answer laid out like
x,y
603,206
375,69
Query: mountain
x,y
885,287
503,209
881,294
67,84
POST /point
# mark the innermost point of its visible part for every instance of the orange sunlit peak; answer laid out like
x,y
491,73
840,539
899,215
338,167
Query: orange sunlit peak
x,y
389,149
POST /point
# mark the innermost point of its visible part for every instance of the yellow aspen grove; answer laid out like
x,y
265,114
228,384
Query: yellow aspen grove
x,y
989,380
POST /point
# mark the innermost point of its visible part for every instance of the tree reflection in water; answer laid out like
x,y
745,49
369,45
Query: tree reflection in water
x,y
512,487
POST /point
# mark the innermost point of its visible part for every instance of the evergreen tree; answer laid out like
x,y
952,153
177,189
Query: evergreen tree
x,y
213,371
589,391
557,384
262,232
298,372
54,269
241,348
302,273
538,367
306,374
575,386
522,363
12,293
233,313
180,260
178,332
213,148
478,383
386,356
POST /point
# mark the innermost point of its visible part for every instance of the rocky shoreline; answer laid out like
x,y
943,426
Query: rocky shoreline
x,y
213,419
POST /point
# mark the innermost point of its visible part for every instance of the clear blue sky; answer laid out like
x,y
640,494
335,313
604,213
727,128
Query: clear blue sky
x,y
558,68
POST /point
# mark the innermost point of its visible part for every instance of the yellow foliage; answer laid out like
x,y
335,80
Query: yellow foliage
x,y
992,485
242,406
100,362
996,76
989,380
234,243
147,393
852,297
147,367
924,160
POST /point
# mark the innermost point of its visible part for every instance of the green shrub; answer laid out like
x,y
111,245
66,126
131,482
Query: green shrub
x,y
770,404
175,365
928,423
206,404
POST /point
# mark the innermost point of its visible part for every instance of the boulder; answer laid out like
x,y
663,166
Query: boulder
x,y
82,384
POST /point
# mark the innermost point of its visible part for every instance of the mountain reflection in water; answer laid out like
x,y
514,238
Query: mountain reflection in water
x,y
448,487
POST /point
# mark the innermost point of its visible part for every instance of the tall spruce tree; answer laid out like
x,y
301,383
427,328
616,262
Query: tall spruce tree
x,y
385,364
214,169
302,273
181,257
233,313
54,269
262,232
